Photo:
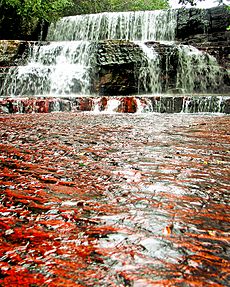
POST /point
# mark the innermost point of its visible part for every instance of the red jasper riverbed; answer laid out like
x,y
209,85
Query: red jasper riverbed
x,y
114,200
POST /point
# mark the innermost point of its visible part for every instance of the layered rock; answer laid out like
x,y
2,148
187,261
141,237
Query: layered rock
x,y
206,29
13,52
122,68
118,64
203,25
121,104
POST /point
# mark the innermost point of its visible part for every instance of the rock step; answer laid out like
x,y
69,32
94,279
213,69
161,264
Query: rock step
x,y
119,104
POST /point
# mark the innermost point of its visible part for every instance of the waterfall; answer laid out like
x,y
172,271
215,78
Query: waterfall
x,y
134,26
197,71
192,70
55,68
66,66
149,75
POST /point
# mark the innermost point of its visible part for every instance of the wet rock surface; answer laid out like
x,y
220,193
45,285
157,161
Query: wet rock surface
x,y
118,104
120,68
117,65
114,200
206,29
203,25
12,52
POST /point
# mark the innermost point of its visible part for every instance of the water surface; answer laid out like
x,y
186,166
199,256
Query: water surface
x,y
114,200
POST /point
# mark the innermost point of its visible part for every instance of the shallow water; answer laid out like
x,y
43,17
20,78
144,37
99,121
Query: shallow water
x,y
114,200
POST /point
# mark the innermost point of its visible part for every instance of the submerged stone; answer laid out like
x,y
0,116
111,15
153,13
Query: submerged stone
x,y
119,104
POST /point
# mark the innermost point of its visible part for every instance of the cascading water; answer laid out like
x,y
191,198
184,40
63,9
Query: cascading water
x,y
194,71
139,26
133,26
64,66
197,71
56,68
149,75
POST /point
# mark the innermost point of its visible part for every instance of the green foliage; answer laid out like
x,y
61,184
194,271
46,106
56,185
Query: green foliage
x,y
31,13
50,10
96,6
228,7
31,10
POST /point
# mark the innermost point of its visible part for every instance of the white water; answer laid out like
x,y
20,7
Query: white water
x,y
169,104
133,26
57,68
149,75
64,67
197,70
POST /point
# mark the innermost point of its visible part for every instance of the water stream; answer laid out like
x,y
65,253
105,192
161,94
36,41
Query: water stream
x,y
133,26
114,200
57,68
114,195
65,66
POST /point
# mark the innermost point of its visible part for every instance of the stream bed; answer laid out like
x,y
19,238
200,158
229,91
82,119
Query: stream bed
x,y
114,200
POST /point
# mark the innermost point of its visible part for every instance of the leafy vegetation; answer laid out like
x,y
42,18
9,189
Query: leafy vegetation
x,y
86,6
38,9
49,10
52,9
23,17
27,15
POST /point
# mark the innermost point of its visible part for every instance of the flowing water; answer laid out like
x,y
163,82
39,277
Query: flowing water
x,y
119,104
133,26
102,198
65,65
151,83
57,68
197,71
114,200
